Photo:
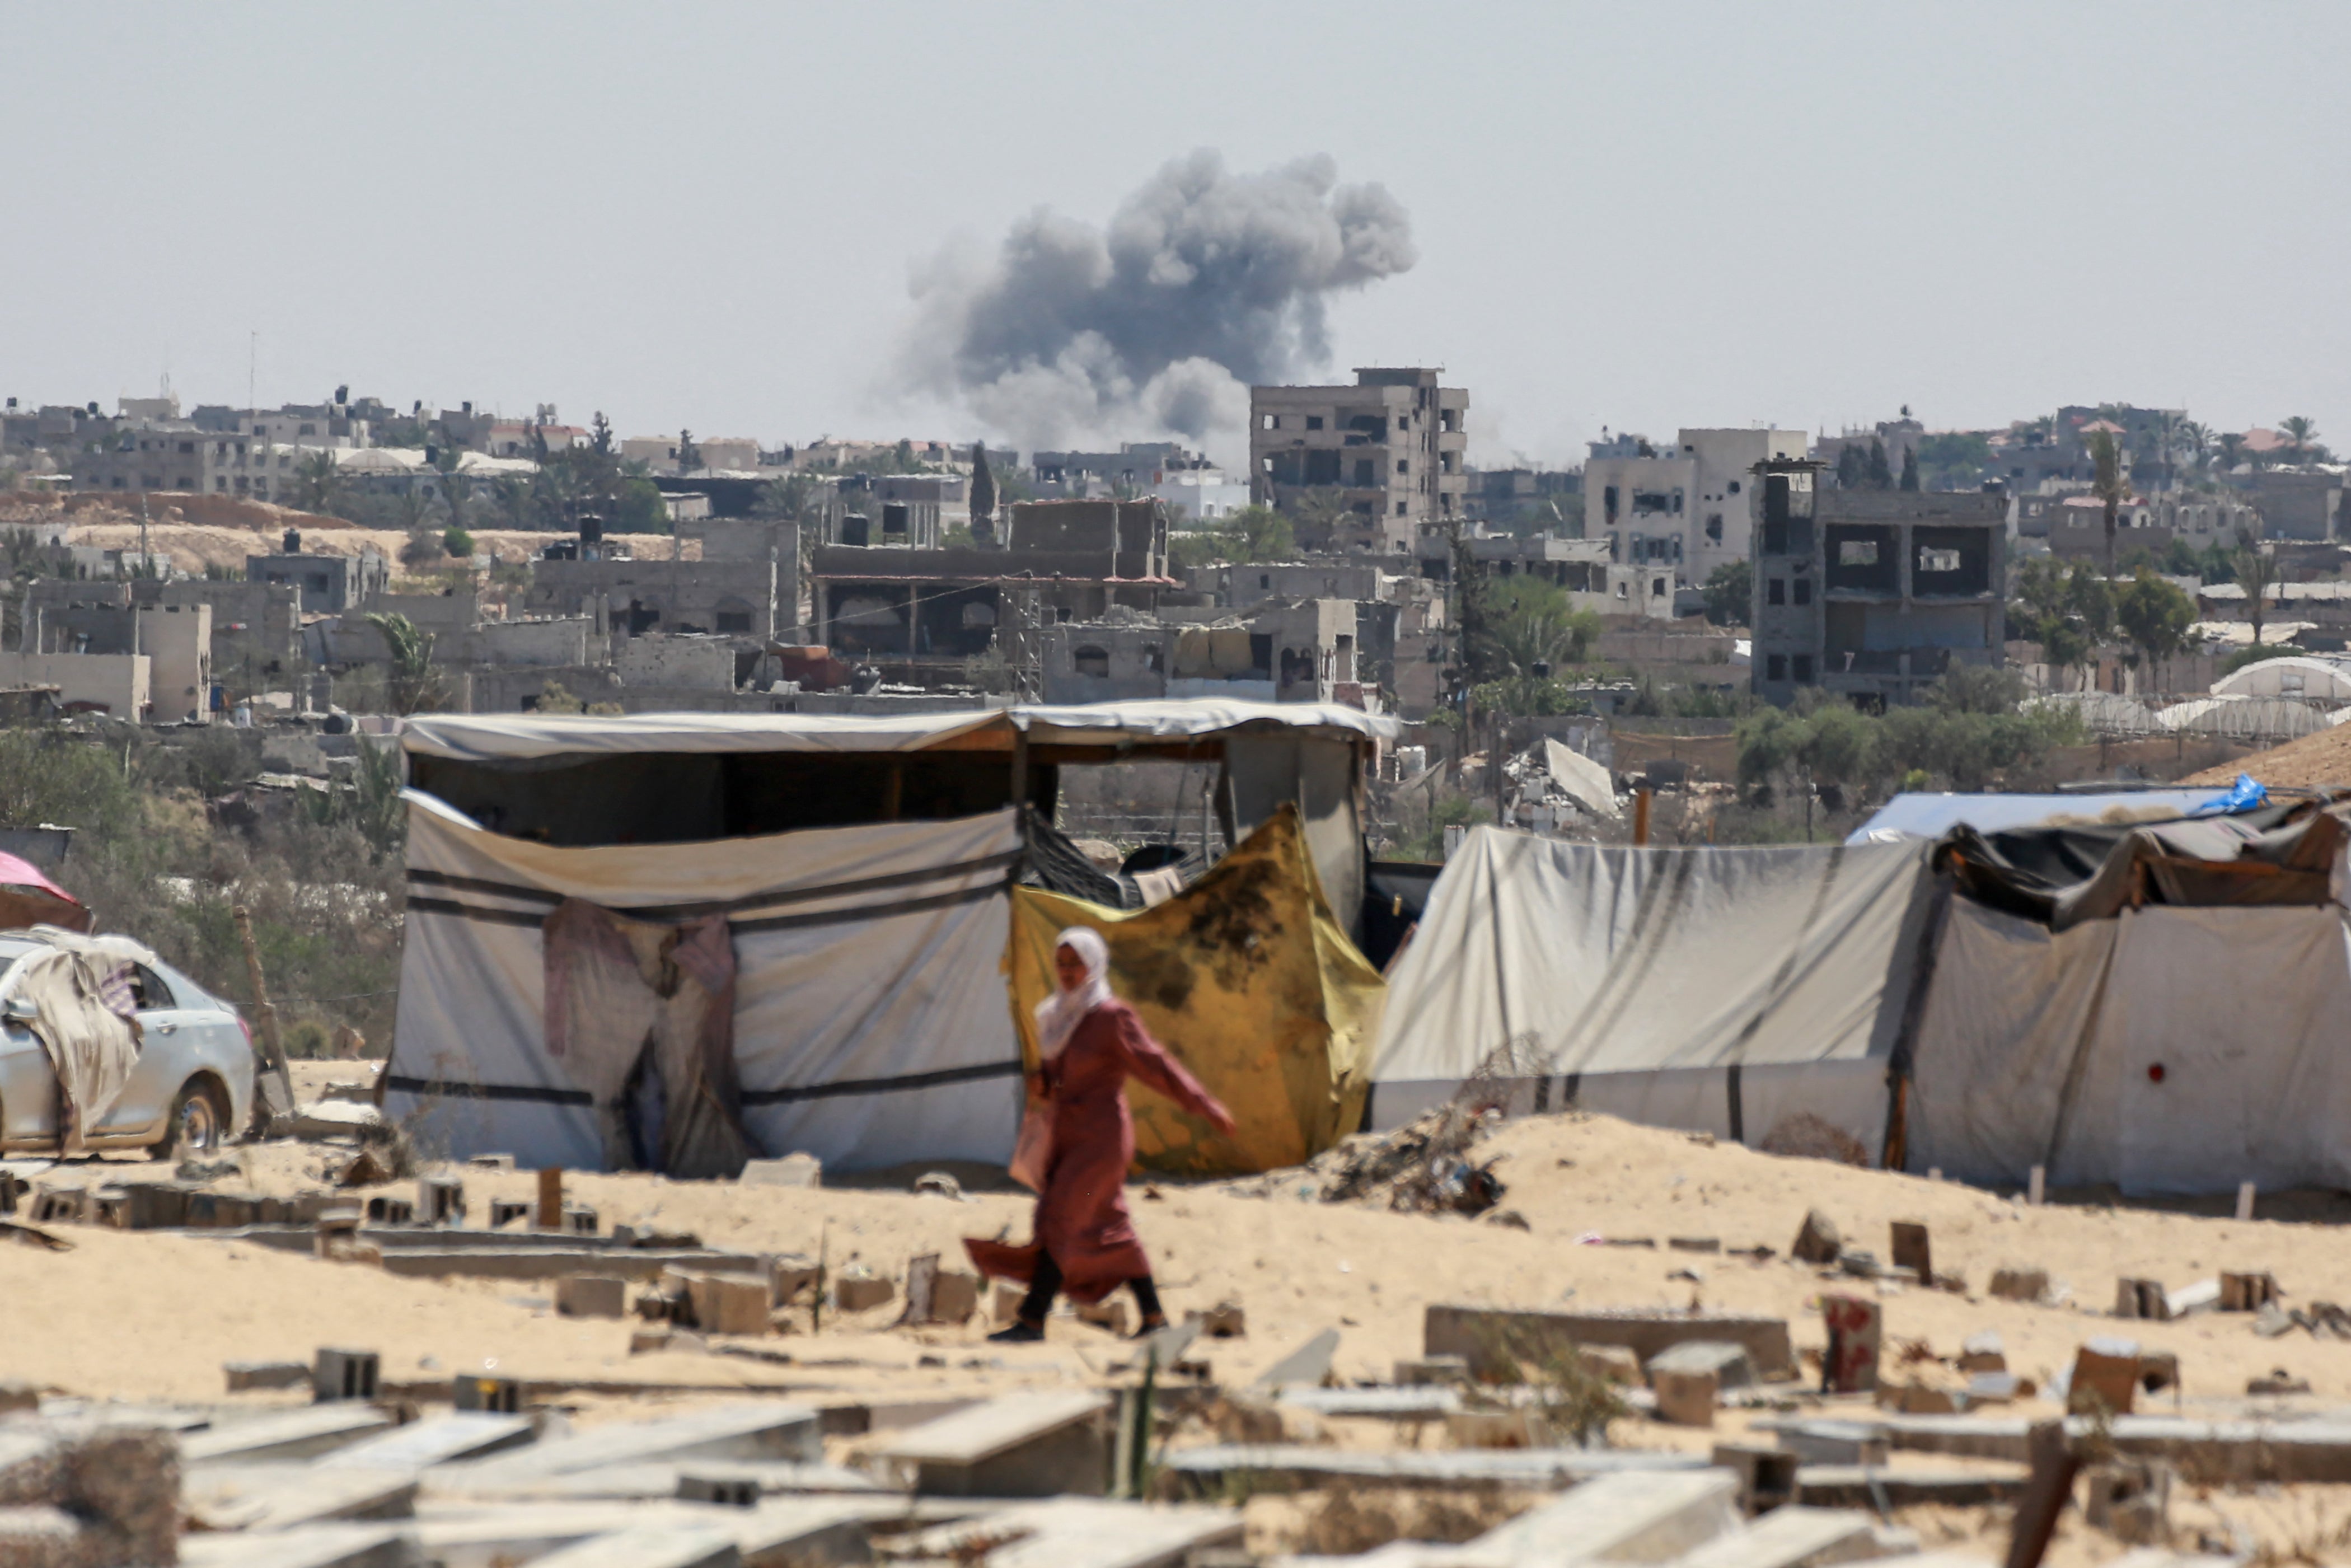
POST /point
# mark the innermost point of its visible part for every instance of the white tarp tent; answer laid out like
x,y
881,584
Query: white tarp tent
x,y
1719,990
870,1021
2164,1050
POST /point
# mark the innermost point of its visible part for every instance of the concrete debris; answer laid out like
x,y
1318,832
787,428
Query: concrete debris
x,y
1421,1167
792,1170
1818,1241
2247,1292
1309,1365
1039,1444
939,1184
245,1375
2278,1382
2020,1284
591,1296
1488,1337
858,1289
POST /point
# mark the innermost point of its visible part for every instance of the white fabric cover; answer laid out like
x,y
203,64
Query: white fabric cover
x,y
1581,779
850,1003
2036,1049
1647,974
485,736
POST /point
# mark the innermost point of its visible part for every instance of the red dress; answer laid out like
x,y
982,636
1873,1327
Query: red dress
x,y
1081,1218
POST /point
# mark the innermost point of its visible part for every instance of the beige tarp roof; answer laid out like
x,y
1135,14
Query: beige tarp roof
x,y
483,738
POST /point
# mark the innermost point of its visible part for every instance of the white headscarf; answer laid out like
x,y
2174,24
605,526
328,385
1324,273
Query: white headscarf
x,y
1058,1015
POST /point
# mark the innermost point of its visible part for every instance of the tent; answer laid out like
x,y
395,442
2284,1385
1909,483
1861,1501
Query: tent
x,y
680,940
1247,979
28,898
2155,1005
1720,990
869,1020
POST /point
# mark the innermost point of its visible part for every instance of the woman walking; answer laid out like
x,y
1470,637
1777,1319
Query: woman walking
x,y
1090,1043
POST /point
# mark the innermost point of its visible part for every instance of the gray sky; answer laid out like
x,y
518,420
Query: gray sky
x,y
1636,216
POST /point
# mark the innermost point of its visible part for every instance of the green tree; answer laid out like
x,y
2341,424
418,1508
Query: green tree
x,y
2232,451
1881,476
318,483
983,493
457,543
2301,433
1316,515
414,682
1909,468
689,455
2257,574
2109,485
2156,616
1852,469
1730,593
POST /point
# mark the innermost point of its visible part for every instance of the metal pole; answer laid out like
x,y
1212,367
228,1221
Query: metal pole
x,y
1641,815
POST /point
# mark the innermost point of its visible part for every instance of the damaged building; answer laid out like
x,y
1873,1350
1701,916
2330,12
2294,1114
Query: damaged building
x,y
1388,448
1872,594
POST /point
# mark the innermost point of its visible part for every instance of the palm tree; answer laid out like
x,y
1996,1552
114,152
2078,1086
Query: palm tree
x,y
456,486
414,682
514,499
2299,431
2256,572
1318,514
2232,451
2109,486
2194,442
318,483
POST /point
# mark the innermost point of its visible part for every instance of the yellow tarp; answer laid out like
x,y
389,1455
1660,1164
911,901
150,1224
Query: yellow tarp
x,y
1249,981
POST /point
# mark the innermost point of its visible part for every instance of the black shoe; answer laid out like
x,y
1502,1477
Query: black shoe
x,y
1018,1334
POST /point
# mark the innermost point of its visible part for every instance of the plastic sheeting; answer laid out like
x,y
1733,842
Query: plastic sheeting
x,y
85,1021
2164,1051
1928,816
481,738
871,1027
1716,989
1249,981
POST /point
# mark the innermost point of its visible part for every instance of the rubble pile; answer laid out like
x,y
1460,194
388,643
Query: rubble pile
x,y
1422,1167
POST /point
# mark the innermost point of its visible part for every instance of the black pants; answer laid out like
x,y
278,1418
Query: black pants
x,y
1046,1283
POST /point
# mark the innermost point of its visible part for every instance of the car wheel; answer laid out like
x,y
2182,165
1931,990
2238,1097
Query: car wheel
x,y
198,1123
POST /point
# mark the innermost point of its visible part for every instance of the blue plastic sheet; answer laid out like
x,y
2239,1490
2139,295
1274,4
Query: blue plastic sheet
x,y
2244,795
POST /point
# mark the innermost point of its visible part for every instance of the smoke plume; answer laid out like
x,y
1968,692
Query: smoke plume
x,y
1204,282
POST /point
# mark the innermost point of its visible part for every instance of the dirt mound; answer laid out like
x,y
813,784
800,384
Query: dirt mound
x,y
2311,762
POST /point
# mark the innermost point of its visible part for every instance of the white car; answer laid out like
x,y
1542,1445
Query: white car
x,y
190,1092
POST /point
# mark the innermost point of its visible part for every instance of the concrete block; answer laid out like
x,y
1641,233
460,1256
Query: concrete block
x,y
245,1375
2203,1296
1791,1537
59,1205
792,1170
283,1496
140,1205
1432,1369
726,1490
1767,1477
2247,1292
2014,1283
441,1200
1488,1337
385,1210
1631,1517
2129,1499
1856,1330
1216,1470
792,1276
1685,1398
1035,1444
2141,1298
485,1395
505,1212
2105,1374
1080,1532
1725,1361
1862,1486
1693,1243
223,1210
1837,1442
955,1297
1423,1402
591,1296
861,1291
1984,1352
1497,1429
579,1219
344,1375
662,1337
728,1304
1818,1240
1914,1249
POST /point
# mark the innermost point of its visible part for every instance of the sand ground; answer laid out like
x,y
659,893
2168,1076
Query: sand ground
x,y
147,1317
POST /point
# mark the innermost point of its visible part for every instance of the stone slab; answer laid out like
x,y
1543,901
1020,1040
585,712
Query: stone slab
x,y
1483,1335
651,1546
1038,1443
648,1482
1791,1537
1309,1365
995,1427
1276,1466
1631,1517
286,1435
283,1496
314,1546
435,1440
1864,1486
1084,1533
738,1431
1425,1401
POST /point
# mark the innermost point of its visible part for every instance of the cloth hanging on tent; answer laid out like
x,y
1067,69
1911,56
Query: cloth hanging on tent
x,y
643,1016
27,899
85,1022
1250,982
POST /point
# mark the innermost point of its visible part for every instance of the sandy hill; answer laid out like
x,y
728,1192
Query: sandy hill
x,y
2309,762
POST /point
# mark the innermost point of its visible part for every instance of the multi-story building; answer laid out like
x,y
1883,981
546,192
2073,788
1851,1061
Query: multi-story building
x,y
180,456
1684,506
1872,593
330,584
1388,449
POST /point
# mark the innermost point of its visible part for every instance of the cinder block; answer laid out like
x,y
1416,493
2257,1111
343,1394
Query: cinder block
x,y
505,1212
344,1375
792,1276
591,1296
1767,1477
2247,1292
579,1219
954,1297
726,1490
2106,1376
59,1205
494,1395
245,1375
441,1200
223,1210
391,1211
